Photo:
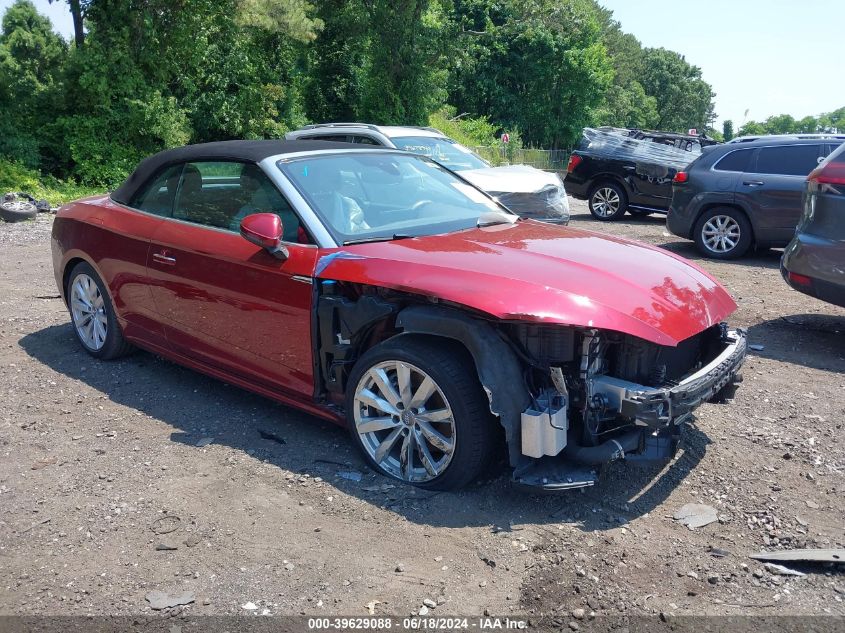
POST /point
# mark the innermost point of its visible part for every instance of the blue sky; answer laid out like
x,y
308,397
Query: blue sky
x,y
766,56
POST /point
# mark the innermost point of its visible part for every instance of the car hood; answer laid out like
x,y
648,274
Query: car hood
x,y
531,271
511,179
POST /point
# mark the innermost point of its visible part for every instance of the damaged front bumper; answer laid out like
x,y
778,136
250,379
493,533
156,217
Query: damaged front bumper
x,y
654,417
659,407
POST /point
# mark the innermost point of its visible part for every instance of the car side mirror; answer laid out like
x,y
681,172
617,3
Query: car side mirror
x,y
265,230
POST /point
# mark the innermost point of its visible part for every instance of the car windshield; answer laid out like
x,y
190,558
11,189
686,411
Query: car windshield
x,y
371,196
445,151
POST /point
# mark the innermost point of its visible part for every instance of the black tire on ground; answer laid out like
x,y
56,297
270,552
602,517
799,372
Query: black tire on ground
x,y
114,345
453,372
723,233
17,210
607,201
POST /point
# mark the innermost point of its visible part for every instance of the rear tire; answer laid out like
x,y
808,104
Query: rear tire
x,y
607,201
92,314
440,441
723,233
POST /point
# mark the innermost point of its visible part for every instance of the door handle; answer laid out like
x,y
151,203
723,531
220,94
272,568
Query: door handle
x,y
164,258
753,183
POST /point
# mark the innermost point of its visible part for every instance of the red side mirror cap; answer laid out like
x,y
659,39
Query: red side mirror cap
x,y
265,230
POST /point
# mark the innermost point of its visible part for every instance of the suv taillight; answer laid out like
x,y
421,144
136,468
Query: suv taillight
x,y
832,173
680,177
574,161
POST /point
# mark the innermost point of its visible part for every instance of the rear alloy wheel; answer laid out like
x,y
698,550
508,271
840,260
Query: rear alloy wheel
x,y
607,202
418,414
92,314
723,234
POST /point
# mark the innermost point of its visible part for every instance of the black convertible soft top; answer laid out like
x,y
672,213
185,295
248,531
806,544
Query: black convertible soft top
x,y
243,151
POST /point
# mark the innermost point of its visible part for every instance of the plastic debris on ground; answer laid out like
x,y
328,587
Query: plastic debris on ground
x,y
804,555
160,600
695,515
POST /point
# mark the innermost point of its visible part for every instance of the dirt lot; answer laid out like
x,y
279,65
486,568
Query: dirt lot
x,y
98,459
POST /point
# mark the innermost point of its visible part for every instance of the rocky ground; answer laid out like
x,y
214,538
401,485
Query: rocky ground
x,y
124,478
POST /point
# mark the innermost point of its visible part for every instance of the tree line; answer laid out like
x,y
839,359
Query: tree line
x,y
143,75
786,124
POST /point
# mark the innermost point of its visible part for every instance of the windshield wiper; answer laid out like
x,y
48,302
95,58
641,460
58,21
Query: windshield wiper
x,y
378,238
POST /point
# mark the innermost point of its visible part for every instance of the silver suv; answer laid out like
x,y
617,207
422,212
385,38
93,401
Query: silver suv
x,y
527,191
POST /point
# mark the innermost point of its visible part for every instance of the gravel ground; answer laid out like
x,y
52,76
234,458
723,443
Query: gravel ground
x,y
118,479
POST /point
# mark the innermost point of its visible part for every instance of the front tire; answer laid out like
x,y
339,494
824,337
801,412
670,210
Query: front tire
x,y
418,414
723,233
92,314
607,201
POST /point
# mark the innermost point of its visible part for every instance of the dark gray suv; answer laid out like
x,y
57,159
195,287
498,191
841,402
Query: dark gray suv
x,y
736,196
814,261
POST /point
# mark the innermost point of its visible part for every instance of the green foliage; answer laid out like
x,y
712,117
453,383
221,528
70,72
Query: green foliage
x,y
31,57
334,85
684,99
468,131
16,177
727,129
144,125
625,103
538,66
287,17
405,70
627,106
786,124
153,74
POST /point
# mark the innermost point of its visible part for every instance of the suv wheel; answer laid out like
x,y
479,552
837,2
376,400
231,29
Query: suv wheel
x,y
723,233
607,202
418,414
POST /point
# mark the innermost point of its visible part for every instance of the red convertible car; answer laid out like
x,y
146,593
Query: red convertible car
x,y
377,289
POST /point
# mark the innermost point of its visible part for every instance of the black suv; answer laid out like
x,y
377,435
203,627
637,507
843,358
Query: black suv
x,y
738,195
618,170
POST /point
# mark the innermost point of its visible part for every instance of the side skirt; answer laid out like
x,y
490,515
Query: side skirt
x,y
221,374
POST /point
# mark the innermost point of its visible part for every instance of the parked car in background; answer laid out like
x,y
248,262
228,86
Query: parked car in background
x,y
618,170
527,191
376,289
738,196
814,261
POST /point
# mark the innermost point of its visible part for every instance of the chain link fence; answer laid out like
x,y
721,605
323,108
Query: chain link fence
x,y
547,159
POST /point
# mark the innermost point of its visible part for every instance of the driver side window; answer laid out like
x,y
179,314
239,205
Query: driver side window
x,y
222,193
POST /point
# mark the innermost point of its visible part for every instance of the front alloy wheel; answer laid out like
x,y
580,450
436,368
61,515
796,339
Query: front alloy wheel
x,y
404,421
418,413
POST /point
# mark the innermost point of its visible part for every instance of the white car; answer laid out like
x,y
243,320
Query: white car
x,y
527,191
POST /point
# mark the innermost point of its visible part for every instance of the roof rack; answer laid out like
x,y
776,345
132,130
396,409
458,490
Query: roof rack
x,y
314,126
423,127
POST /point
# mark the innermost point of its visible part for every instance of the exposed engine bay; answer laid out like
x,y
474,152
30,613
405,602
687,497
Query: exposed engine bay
x,y
569,398
600,396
